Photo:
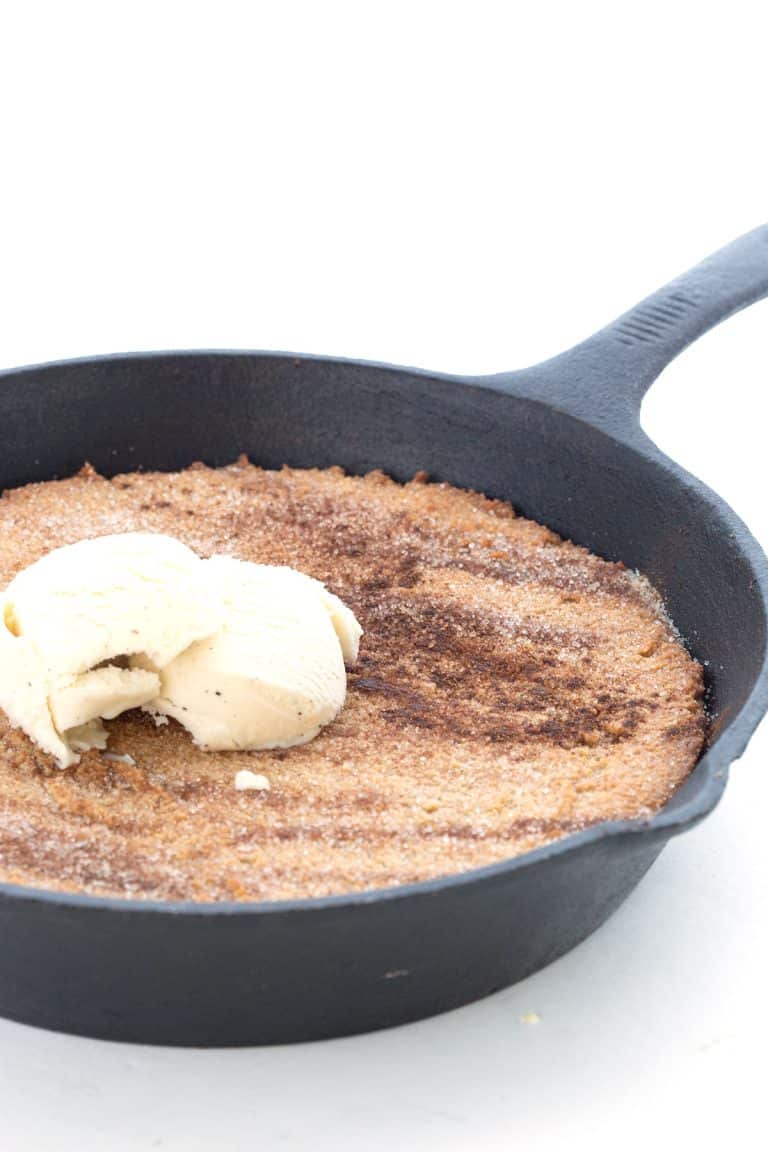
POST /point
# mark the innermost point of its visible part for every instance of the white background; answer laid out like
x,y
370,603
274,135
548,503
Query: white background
x,y
469,187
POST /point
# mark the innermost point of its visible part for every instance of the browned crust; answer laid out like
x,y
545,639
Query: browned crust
x,y
511,688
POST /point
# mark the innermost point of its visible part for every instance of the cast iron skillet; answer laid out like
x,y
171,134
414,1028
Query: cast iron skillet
x,y
562,441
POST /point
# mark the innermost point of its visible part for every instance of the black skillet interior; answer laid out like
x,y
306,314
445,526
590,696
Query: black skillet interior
x,y
562,441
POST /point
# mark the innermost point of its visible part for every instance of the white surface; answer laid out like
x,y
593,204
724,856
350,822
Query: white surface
x,y
468,187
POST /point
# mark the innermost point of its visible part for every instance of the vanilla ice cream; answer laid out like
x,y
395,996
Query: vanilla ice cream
x,y
244,655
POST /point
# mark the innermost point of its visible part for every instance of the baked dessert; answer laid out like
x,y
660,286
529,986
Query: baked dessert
x,y
511,689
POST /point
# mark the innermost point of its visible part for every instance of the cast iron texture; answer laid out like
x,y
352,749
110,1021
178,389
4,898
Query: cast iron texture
x,y
562,441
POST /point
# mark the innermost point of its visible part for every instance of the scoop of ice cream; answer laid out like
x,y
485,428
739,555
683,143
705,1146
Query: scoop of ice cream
x,y
243,655
273,674
74,618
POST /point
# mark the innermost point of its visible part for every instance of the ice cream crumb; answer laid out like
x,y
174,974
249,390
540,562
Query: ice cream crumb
x,y
247,781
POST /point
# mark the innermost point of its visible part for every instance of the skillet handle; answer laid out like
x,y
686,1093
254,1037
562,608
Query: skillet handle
x,y
605,378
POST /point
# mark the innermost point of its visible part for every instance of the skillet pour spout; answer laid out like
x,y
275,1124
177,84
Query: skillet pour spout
x,y
562,441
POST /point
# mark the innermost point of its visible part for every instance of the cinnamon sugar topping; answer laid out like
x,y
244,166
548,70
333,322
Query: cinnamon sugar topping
x,y
511,689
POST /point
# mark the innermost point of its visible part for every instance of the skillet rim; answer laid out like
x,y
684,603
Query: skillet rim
x,y
711,769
